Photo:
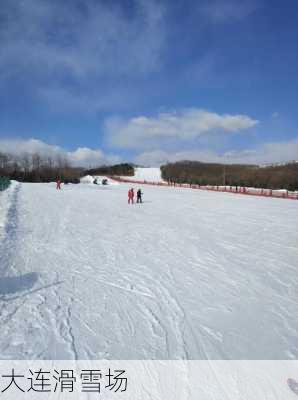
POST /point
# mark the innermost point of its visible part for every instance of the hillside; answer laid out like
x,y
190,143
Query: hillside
x,y
273,177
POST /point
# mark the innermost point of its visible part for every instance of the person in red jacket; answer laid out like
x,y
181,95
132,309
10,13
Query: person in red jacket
x,y
58,187
130,196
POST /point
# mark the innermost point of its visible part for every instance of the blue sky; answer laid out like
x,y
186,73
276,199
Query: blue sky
x,y
150,81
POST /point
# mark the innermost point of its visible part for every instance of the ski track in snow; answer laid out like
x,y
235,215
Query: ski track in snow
x,y
186,275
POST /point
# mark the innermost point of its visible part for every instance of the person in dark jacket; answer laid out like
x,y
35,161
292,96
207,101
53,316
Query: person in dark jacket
x,y
139,196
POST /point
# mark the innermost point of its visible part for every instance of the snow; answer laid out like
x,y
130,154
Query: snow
x,y
109,180
185,275
146,174
87,179
90,179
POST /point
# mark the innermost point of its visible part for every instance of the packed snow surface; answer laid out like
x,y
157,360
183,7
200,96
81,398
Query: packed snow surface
x,y
146,174
188,274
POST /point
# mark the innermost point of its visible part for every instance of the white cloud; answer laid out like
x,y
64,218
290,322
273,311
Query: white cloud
x,y
159,157
146,132
273,152
30,146
81,157
86,157
267,153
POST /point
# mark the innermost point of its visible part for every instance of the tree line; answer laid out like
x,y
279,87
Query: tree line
x,y
38,168
123,169
194,172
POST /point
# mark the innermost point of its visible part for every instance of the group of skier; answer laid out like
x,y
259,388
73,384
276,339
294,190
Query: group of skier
x,y
131,195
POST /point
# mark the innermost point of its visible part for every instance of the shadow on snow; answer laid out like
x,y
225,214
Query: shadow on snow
x,y
14,284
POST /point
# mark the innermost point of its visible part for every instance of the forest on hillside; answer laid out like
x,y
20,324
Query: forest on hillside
x,y
194,172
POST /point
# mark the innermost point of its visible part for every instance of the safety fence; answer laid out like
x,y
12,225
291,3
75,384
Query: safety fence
x,y
4,183
281,193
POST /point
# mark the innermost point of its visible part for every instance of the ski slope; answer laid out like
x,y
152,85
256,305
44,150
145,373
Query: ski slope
x,y
185,275
146,174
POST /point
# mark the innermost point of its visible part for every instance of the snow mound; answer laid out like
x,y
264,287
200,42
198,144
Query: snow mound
x,y
87,179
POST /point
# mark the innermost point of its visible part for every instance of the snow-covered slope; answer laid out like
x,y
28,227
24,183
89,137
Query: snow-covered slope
x,y
146,174
186,274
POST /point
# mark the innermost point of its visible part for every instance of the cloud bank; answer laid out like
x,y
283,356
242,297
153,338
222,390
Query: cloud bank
x,y
274,152
81,157
145,132
268,153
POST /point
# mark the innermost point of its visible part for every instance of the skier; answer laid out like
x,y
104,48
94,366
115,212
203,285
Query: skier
x,y
130,196
58,184
139,196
